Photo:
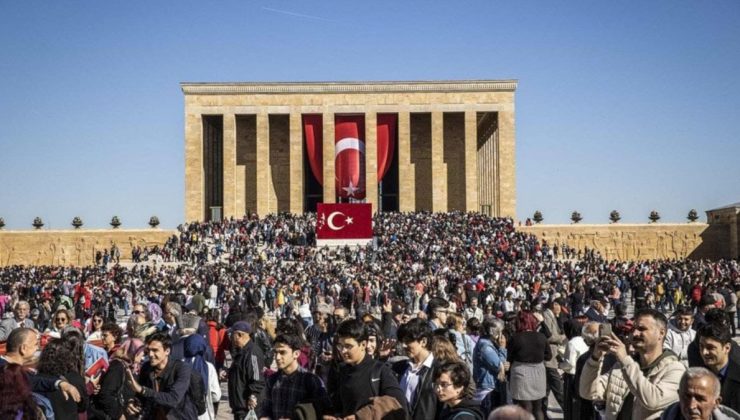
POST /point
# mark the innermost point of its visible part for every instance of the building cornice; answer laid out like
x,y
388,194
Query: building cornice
x,y
447,86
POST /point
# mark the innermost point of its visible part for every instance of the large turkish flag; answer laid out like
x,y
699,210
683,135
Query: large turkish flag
x,y
349,155
344,221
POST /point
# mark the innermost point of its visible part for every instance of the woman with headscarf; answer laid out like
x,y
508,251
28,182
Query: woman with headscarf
x,y
114,391
527,351
195,349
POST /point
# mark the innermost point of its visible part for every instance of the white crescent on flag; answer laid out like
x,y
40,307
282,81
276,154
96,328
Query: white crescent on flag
x,y
349,143
330,221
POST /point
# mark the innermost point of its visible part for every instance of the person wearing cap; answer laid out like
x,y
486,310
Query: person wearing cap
x,y
245,375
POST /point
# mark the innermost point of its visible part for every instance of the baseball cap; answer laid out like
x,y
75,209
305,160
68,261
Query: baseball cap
x,y
242,326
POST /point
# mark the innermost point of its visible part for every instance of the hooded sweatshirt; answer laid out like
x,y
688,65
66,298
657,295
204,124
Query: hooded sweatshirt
x,y
678,341
464,410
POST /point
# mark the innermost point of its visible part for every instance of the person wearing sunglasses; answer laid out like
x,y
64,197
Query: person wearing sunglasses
x,y
62,318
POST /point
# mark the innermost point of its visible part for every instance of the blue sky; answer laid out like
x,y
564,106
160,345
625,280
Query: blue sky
x,y
631,106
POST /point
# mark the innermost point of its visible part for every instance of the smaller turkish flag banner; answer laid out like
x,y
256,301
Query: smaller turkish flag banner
x,y
344,221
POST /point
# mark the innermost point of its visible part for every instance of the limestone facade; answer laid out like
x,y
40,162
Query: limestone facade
x,y
727,218
73,247
456,143
638,241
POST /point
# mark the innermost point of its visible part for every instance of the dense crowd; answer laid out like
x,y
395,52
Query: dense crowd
x,y
444,316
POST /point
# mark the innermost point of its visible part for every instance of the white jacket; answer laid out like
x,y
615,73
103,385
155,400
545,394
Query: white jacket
x,y
678,342
652,392
213,393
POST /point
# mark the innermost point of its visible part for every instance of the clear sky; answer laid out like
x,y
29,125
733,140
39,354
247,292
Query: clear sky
x,y
628,105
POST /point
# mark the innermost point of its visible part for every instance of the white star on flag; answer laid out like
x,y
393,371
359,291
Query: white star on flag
x,y
348,220
351,189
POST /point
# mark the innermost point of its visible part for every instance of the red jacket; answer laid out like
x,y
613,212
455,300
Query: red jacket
x,y
218,340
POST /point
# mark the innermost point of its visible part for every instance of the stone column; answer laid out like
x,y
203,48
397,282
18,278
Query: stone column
x,y
471,161
296,162
263,164
229,159
371,159
506,188
439,167
406,174
734,237
194,177
328,157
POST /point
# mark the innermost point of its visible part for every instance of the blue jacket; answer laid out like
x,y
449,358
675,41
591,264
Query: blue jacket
x,y
487,360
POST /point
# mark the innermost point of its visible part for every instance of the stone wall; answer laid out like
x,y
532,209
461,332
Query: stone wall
x,y
639,241
72,247
437,116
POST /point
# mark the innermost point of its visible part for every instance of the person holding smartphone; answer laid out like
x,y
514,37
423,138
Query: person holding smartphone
x,y
640,386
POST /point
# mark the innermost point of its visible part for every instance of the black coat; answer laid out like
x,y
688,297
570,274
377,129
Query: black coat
x,y
172,397
731,385
66,408
424,404
244,380
112,384
350,387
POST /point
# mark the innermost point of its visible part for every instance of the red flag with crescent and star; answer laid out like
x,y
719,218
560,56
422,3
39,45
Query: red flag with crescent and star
x,y
349,155
344,221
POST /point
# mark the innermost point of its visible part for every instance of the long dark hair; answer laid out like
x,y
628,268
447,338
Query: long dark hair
x,y
15,393
57,359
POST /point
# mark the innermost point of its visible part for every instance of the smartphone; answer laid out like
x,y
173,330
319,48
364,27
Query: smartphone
x,y
605,330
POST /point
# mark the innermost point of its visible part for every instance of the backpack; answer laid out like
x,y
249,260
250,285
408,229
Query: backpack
x,y
196,393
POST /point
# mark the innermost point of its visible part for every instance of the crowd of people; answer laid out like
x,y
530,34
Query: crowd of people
x,y
445,316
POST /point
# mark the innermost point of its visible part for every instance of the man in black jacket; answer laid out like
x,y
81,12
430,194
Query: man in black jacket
x,y
163,383
20,348
715,343
359,377
416,374
245,376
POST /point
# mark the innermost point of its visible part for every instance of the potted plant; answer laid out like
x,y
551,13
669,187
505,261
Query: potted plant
x,y
77,222
654,216
693,216
576,217
37,223
115,222
154,222
614,216
537,217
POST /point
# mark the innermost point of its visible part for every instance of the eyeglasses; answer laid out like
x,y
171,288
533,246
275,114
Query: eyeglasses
x,y
442,385
60,319
98,321
345,347
137,312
